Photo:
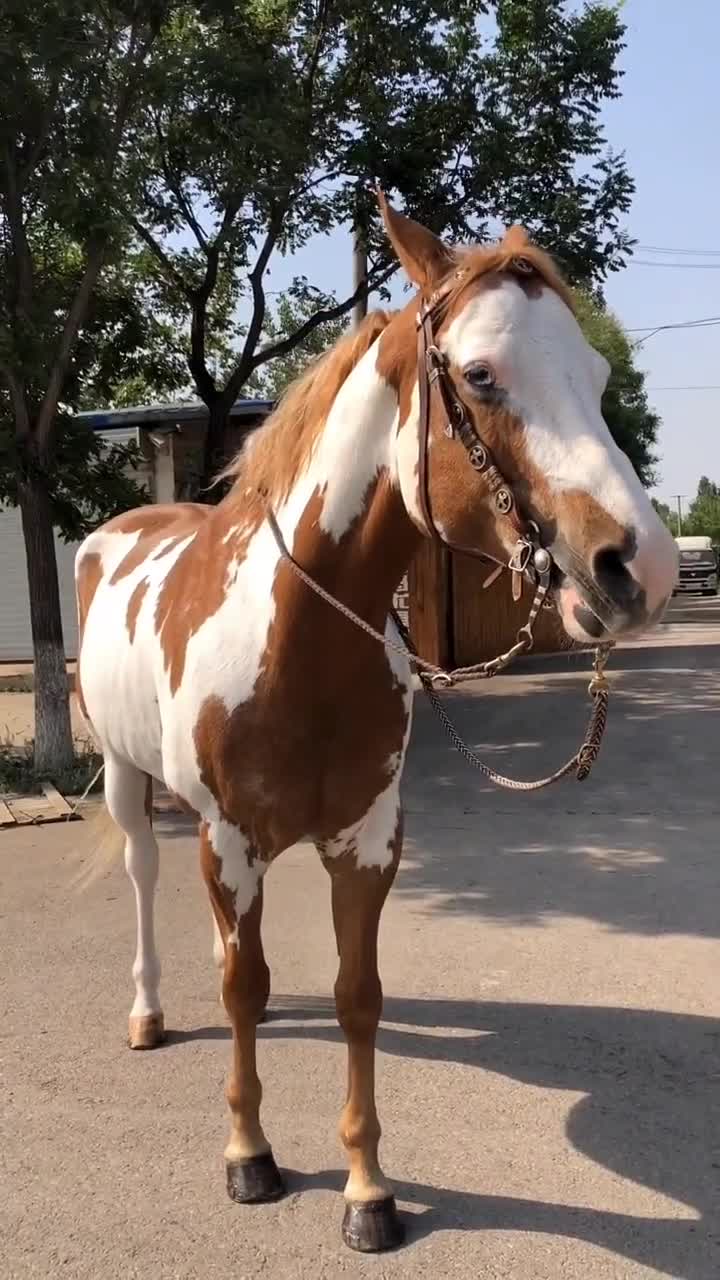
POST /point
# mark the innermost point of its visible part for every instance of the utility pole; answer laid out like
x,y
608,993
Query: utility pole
x,y
678,498
359,253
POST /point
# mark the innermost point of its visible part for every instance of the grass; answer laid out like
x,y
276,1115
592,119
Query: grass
x,y
18,775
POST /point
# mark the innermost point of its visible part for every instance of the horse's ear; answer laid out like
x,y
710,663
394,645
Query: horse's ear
x,y
423,255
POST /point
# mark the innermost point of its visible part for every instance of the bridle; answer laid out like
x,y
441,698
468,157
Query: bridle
x,y
529,557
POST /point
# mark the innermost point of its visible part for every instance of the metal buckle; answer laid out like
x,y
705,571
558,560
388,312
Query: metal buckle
x,y
434,360
521,556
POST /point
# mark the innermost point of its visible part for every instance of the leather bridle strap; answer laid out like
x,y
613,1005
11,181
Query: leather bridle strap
x,y
434,378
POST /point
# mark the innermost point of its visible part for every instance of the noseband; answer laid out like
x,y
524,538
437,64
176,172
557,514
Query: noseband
x,y
529,557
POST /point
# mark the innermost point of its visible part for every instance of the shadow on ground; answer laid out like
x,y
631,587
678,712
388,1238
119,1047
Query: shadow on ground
x,y
650,1112
630,847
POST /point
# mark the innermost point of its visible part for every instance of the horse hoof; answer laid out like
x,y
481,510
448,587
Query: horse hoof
x,y
372,1227
146,1031
254,1181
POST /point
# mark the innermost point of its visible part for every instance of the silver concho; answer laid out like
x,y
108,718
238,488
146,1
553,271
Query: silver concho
x,y
503,501
478,457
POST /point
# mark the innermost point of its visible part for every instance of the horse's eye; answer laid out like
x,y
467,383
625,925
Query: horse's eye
x,y
481,376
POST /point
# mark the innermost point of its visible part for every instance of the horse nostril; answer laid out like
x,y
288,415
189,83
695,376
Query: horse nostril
x,y
610,571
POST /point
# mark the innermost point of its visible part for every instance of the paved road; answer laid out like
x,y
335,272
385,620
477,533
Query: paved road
x,y
549,1064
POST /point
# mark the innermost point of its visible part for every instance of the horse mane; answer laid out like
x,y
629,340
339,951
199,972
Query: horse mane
x,y
481,260
271,460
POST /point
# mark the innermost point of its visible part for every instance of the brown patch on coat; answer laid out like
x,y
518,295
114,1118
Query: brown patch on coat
x,y
307,754
154,524
134,604
397,359
197,584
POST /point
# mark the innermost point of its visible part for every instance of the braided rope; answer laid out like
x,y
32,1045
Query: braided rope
x,y
581,762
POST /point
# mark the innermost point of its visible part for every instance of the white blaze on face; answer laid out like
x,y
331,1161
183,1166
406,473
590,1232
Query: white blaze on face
x,y
554,382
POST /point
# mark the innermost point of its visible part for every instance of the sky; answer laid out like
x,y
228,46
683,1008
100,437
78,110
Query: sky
x,y
668,124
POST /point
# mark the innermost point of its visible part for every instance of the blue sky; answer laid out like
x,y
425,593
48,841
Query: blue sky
x,y
668,123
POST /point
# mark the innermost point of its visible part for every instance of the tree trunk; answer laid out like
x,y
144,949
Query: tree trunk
x,y
53,733
214,454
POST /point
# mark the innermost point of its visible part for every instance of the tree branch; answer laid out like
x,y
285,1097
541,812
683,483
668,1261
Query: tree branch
x,y
244,367
20,247
17,398
197,358
46,418
36,151
313,62
159,253
175,186
320,317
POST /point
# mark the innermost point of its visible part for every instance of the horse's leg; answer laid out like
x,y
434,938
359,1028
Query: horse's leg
x,y
252,1174
219,958
358,893
128,795
218,952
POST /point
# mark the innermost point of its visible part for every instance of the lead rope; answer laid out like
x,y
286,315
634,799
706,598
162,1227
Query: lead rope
x,y
431,676
583,759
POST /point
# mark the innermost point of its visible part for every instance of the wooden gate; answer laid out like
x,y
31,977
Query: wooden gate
x,y
455,622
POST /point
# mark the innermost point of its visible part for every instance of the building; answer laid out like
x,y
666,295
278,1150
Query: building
x,y
171,440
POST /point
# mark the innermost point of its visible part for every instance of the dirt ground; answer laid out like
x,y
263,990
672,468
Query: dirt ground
x,y
549,1057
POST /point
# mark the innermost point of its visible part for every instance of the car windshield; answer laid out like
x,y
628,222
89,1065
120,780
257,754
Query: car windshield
x,y
689,557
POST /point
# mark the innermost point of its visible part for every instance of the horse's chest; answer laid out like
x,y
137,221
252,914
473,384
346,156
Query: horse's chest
x,y
302,763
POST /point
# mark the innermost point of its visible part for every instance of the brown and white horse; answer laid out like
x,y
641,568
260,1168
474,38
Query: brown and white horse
x,y
206,663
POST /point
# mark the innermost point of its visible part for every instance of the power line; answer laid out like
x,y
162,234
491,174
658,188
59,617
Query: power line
x,y
710,386
690,253
701,323
685,266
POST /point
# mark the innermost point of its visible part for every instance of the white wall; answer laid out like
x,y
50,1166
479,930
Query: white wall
x,y
15,638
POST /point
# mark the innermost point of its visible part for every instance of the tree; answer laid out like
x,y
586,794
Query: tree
x,y
668,517
270,123
632,423
704,515
71,79
272,378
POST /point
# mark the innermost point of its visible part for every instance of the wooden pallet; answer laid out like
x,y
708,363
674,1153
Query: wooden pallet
x,y
22,811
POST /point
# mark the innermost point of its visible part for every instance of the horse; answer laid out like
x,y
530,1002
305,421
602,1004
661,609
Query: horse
x,y
473,415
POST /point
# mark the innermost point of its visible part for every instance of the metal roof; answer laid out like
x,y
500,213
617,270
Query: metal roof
x,y
166,414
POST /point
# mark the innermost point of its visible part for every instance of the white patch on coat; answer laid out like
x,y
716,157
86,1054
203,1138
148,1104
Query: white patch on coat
x,y
372,836
354,446
554,382
239,871
118,678
405,467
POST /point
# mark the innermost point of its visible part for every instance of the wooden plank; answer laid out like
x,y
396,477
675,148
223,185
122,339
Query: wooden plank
x,y
57,801
486,623
6,818
28,809
429,580
39,809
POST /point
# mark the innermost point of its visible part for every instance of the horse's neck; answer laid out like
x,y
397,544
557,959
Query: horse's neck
x,y
344,519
